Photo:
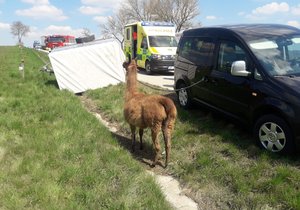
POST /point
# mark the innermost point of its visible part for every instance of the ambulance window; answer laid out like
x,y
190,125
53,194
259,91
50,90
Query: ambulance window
x,y
128,34
144,43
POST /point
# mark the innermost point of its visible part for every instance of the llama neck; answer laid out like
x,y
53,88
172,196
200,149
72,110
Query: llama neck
x,y
131,85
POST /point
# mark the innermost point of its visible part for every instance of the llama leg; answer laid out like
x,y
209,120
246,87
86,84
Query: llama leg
x,y
155,140
167,129
132,128
141,132
167,139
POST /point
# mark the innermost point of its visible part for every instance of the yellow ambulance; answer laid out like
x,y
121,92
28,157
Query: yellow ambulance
x,y
152,44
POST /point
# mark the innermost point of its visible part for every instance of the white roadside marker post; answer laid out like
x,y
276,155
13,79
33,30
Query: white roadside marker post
x,y
22,68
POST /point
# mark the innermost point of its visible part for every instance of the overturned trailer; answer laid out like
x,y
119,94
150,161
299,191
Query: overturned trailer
x,y
88,66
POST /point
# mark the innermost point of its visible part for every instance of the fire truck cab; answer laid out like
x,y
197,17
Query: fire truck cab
x,y
54,41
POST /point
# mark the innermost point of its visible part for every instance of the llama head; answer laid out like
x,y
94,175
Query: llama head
x,y
130,66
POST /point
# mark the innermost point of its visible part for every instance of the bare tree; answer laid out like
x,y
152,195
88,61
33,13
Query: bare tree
x,y
19,30
179,12
111,28
130,11
86,32
141,9
115,25
189,10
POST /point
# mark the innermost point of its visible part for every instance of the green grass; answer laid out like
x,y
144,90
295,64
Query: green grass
x,y
56,155
218,160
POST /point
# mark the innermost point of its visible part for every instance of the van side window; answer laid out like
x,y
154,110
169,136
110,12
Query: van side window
x,y
228,53
197,50
185,46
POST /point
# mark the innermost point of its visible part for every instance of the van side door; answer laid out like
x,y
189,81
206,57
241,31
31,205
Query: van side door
x,y
202,56
231,94
195,61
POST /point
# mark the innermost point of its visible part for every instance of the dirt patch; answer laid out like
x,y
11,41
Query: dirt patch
x,y
91,107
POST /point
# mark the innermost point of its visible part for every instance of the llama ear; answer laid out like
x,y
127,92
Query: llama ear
x,y
125,65
127,62
133,62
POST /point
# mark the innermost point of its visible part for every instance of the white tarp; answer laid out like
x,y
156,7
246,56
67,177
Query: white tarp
x,y
88,66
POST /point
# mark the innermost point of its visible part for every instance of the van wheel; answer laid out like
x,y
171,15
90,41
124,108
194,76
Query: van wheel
x,y
273,134
148,68
184,96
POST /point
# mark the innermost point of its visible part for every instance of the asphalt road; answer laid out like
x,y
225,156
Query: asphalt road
x,y
163,80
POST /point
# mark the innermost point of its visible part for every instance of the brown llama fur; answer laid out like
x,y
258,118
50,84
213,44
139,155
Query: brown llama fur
x,y
148,111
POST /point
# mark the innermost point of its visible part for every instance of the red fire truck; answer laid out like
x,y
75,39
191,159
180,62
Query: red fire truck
x,y
52,41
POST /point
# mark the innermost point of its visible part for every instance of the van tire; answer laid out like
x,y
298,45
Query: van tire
x,y
184,96
273,134
148,68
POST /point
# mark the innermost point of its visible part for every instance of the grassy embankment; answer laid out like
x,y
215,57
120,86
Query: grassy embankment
x,y
217,159
56,155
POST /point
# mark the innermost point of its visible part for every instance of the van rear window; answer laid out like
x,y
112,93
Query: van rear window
x,y
197,50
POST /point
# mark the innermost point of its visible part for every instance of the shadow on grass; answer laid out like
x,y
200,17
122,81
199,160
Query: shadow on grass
x,y
52,83
144,155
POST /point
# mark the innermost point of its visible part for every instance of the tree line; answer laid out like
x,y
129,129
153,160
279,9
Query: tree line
x,y
179,12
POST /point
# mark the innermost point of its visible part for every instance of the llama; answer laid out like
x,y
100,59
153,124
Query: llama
x,y
148,111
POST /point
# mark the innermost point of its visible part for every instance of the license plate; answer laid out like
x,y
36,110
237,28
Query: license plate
x,y
171,67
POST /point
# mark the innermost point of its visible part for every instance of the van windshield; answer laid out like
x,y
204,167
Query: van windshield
x,y
280,56
162,41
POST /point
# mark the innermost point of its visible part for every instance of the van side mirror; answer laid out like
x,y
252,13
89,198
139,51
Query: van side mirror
x,y
238,68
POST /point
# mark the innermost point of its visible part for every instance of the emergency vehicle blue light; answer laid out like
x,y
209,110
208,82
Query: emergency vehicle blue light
x,y
148,23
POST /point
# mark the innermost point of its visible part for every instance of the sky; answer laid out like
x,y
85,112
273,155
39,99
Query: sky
x,y
46,17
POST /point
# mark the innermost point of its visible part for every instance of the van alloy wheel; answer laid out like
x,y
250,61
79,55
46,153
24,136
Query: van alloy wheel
x,y
183,96
272,137
274,134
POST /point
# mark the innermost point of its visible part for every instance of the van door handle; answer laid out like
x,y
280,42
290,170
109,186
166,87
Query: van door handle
x,y
214,81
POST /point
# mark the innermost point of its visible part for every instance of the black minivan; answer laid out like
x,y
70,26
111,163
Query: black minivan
x,y
248,72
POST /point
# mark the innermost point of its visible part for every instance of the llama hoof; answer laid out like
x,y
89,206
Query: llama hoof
x,y
158,162
153,165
